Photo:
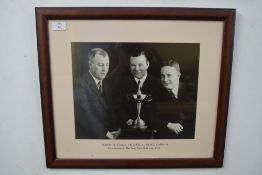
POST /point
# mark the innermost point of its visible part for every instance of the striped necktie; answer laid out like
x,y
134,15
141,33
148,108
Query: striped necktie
x,y
99,85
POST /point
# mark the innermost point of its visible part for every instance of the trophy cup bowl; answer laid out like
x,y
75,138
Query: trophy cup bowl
x,y
139,98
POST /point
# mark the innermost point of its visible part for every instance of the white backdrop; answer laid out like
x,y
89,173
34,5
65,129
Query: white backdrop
x,y
21,134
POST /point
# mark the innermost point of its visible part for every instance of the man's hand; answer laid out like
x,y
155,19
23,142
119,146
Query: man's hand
x,y
176,127
113,134
116,133
129,122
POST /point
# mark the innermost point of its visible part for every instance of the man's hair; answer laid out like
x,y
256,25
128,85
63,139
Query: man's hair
x,y
172,63
96,51
137,51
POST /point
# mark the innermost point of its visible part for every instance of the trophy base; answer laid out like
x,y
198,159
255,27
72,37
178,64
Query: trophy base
x,y
139,127
139,124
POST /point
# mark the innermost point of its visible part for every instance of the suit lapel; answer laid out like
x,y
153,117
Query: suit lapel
x,y
130,84
146,84
91,83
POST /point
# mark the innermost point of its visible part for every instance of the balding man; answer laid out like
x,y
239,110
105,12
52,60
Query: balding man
x,y
94,118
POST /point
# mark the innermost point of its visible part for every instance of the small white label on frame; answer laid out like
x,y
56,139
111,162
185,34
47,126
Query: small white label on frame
x,y
59,25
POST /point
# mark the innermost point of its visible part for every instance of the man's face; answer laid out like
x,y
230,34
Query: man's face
x,y
99,66
139,66
169,77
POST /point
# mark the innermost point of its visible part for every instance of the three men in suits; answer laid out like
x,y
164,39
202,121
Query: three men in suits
x,y
171,112
176,106
94,118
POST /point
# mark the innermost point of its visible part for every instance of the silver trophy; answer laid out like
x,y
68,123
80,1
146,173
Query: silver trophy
x,y
139,99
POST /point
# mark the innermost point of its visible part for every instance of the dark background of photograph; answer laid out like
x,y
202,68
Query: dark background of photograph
x,y
186,54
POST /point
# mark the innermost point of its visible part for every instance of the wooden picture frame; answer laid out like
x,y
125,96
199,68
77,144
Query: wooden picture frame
x,y
48,36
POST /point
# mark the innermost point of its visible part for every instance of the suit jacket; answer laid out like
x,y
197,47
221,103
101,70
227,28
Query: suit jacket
x,y
181,110
93,115
126,108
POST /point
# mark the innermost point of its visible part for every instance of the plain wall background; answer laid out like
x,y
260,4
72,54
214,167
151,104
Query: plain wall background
x,y
21,134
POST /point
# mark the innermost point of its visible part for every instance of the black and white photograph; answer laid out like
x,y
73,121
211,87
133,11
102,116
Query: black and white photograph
x,y
135,90
127,87
134,87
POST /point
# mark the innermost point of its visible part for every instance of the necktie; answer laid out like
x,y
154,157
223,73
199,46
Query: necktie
x,y
171,93
99,85
139,85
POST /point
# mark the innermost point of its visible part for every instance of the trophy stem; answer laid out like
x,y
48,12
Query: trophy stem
x,y
139,123
138,106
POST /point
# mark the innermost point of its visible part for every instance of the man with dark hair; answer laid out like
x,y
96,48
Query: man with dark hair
x,y
176,107
94,118
137,79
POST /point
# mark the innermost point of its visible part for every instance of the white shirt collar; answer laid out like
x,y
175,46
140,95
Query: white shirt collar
x,y
95,79
175,91
142,80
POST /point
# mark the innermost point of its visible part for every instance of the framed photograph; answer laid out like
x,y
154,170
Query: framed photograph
x,y
134,87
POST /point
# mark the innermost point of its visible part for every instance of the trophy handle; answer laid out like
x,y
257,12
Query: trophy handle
x,y
148,98
130,97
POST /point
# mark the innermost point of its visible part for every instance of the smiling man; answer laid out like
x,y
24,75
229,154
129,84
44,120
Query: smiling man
x,y
175,109
137,78
170,76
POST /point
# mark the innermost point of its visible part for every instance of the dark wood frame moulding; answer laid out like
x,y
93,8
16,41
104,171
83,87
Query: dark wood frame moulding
x,y
43,14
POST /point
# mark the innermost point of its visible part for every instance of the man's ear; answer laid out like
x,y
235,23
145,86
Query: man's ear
x,y
147,63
